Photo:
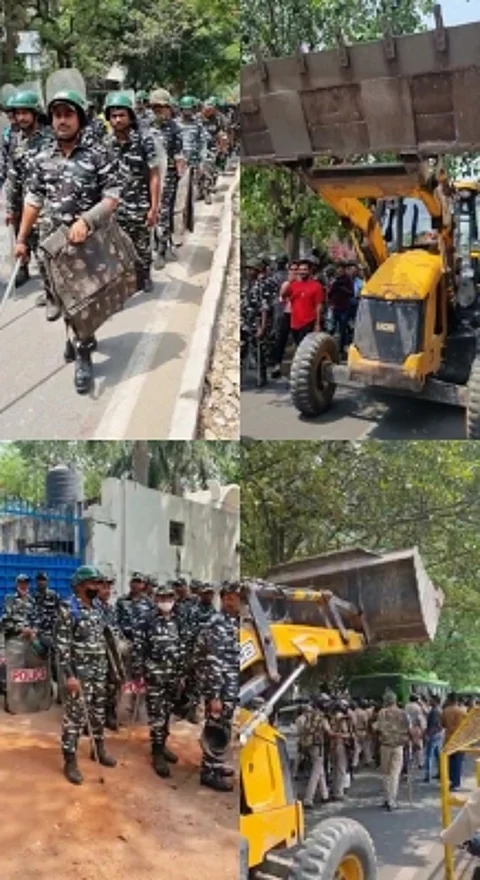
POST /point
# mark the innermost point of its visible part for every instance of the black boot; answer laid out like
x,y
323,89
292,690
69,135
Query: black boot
x,y
208,198
104,758
53,311
83,378
69,353
159,762
147,283
226,772
171,757
216,781
70,768
23,276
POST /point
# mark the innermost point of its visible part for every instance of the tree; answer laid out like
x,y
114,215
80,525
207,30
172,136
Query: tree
x,y
173,466
299,499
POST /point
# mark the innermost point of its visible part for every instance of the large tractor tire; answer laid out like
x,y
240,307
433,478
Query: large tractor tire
x,y
337,849
311,395
473,402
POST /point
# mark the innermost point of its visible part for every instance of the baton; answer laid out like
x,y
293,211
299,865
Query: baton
x,y
11,283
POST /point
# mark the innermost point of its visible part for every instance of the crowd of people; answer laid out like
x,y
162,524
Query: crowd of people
x,y
178,646
337,736
283,300
65,165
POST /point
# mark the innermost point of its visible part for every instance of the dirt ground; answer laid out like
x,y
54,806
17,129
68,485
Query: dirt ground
x,y
135,826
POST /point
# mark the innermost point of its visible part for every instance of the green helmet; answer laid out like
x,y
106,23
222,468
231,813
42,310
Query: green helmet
x,y
9,104
212,101
141,96
25,100
86,573
187,102
118,101
68,96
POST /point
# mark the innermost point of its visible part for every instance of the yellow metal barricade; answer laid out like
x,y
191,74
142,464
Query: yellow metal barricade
x,y
465,739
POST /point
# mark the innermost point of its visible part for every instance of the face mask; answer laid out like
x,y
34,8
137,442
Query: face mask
x,y
91,594
166,607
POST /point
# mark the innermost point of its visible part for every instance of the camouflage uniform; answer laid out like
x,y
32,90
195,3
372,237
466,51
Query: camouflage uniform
x,y
257,298
136,157
22,154
393,729
217,657
145,119
109,618
194,140
95,130
65,187
19,614
81,651
159,657
170,135
9,139
313,734
47,605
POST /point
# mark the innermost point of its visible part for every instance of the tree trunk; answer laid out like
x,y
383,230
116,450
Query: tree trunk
x,y
292,239
140,462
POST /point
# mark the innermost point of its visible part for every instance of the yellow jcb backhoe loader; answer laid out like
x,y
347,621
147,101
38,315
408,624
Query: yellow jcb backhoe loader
x,y
407,97
334,605
467,240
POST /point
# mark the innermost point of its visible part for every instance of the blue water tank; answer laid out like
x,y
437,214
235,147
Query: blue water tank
x,y
63,486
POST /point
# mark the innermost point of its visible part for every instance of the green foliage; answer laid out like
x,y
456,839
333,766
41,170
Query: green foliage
x,y
279,26
172,466
299,499
191,45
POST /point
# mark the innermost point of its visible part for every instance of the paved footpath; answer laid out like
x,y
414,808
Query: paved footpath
x,y
141,353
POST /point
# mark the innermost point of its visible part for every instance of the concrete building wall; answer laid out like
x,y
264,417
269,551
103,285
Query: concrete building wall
x,y
131,530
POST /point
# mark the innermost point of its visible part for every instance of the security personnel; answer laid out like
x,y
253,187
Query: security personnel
x,y
47,605
393,728
73,183
217,655
31,138
159,659
314,732
136,154
168,130
109,617
82,657
18,619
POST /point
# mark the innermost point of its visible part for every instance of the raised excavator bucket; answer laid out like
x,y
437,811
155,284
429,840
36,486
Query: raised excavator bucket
x,y
409,95
396,599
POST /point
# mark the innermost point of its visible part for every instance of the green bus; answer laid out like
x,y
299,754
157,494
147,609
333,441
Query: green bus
x,y
373,687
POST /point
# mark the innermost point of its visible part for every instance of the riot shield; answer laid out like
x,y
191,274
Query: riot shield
x,y
183,218
68,78
28,681
92,280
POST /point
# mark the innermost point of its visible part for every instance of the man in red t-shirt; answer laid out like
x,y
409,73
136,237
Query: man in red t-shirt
x,y
307,298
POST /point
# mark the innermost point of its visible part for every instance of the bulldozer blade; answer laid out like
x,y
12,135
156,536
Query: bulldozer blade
x,y
409,95
396,599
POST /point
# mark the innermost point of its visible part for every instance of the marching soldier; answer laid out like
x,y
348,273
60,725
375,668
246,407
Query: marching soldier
x,y
206,608
73,183
217,655
82,657
394,729
194,138
341,741
18,620
145,116
167,129
135,608
31,137
313,735
136,154
95,127
159,658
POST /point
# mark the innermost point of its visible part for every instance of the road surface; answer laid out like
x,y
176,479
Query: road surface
x,y
268,414
406,841
141,352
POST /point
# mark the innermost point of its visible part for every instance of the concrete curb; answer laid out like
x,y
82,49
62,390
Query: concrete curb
x,y
187,408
